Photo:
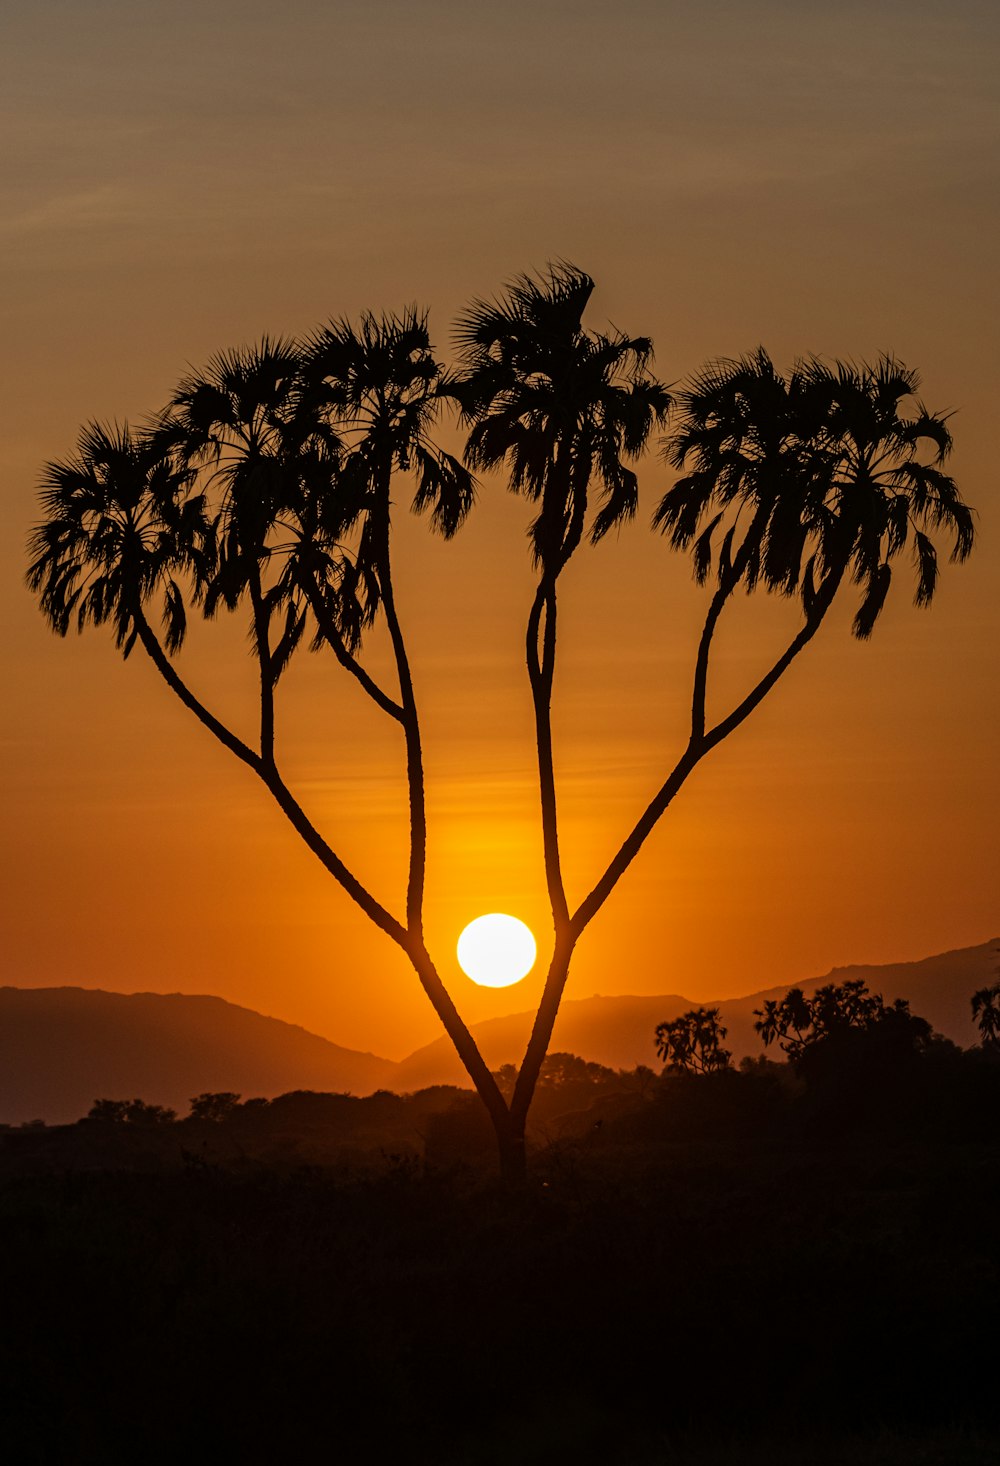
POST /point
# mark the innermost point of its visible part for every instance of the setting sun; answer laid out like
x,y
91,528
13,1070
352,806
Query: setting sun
x,y
496,950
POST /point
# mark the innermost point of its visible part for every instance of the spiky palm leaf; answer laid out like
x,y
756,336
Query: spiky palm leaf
x,y
120,528
794,479
883,495
379,382
557,404
281,507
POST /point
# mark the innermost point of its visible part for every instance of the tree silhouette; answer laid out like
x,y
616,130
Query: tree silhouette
x,y
267,485
692,1043
130,1112
835,1013
558,405
214,1107
109,1111
986,1014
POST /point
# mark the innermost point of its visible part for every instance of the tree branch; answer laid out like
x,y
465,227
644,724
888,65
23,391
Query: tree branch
x,y
700,688
699,746
336,643
272,781
541,673
456,1029
541,1029
358,893
814,619
168,672
729,578
541,676
414,766
635,840
416,874
753,699
262,637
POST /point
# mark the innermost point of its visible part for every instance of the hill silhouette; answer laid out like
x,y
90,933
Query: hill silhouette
x,y
619,1031
62,1048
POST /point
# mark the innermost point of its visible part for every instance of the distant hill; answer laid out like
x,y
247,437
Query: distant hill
x,y
619,1031
62,1048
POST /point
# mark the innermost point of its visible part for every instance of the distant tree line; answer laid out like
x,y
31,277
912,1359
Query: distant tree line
x,y
836,1017
840,1039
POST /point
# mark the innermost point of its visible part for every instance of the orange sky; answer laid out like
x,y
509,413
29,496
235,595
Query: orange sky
x,y
178,178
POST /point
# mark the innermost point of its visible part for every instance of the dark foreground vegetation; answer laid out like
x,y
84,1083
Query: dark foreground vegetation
x,y
780,1263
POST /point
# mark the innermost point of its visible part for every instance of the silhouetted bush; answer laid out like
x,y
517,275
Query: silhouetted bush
x,y
692,1043
215,1107
130,1112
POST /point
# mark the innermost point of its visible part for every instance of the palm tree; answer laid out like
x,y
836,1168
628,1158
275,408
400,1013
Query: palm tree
x,y
986,1014
558,405
287,506
237,430
378,383
379,386
562,408
882,497
120,529
125,529
796,482
299,447
267,485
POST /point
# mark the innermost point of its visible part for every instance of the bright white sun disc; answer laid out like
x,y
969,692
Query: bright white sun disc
x,y
496,950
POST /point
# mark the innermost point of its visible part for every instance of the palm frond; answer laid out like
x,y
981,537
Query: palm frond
x,y
446,487
556,404
826,462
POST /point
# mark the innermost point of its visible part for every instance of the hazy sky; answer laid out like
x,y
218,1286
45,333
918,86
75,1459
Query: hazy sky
x,y
176,178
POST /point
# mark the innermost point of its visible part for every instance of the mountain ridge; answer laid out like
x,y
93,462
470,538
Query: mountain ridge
x,y
62,1047
628,1022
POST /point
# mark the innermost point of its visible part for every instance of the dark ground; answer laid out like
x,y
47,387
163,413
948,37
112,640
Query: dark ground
x,y
719,1274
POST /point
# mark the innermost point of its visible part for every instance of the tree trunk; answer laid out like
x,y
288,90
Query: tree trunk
x,y
513,1157
541,1032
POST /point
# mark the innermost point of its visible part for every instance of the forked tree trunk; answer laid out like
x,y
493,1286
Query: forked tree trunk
x,y
512,1128
509,1119
513,1158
